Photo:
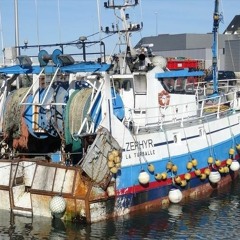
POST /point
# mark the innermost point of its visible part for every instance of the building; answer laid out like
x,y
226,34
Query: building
x,y
199,46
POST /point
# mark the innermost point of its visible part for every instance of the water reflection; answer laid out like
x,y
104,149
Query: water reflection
x,y
214,217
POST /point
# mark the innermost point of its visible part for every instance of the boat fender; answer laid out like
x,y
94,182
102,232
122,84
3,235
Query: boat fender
x,y
187,176
143,177
164,176
114,170
218,163
231,151
57,206
169,166
207,171
177,179
221,169
151,168
226,169
175,195
210,160
197,172
183,183
203,176
158,176
189,165
163,98
229,161
214,177
235,165
194,162
174,168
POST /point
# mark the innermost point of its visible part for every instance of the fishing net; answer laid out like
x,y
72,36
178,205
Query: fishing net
x,y
76,111
12,114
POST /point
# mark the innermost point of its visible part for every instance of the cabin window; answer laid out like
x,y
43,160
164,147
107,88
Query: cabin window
x,y
140,84
140,88
179,84
127,85
168,84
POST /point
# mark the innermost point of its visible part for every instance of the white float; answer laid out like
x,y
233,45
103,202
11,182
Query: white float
x,y
143,177
235,165
57,206
175,195
214,177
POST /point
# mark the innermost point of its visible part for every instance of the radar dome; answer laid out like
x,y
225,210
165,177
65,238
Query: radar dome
x,y
159,61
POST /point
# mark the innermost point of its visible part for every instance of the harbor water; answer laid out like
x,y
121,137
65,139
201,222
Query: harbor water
x,y
216,216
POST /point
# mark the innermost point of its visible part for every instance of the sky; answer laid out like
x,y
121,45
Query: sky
x,y
55,21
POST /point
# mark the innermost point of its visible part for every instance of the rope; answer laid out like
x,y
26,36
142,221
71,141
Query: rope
x,y
211,145
231,133
187,143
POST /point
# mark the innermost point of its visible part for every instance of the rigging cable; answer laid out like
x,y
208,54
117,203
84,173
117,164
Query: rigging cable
x,y
59,21
36,8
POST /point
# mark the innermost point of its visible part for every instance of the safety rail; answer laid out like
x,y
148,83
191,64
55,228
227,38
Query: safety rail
x,y
207,107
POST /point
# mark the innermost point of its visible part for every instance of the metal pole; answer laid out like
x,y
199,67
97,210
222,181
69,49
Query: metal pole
x,y
16,26
16,35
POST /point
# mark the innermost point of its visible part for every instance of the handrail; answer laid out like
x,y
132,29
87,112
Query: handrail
x,y
208,106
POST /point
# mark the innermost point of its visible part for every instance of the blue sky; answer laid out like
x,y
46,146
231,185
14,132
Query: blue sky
x,y
54,21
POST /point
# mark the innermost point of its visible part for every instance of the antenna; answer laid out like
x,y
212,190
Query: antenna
x,y
127,26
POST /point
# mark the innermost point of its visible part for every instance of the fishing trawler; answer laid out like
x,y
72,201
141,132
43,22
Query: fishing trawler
x,y
93,140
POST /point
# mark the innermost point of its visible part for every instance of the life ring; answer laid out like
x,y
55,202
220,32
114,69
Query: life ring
x,y
163,98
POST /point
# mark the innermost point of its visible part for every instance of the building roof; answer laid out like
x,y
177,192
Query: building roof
x,y
234,26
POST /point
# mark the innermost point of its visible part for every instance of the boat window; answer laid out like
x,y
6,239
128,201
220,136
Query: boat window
x,y
179,84
140,84
127,85
117,85
168,84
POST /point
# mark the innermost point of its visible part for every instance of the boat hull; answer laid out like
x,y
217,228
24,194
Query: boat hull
x,y
29,187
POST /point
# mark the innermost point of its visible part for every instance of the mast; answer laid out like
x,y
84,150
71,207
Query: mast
x,y
16,26
127,27
216,20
